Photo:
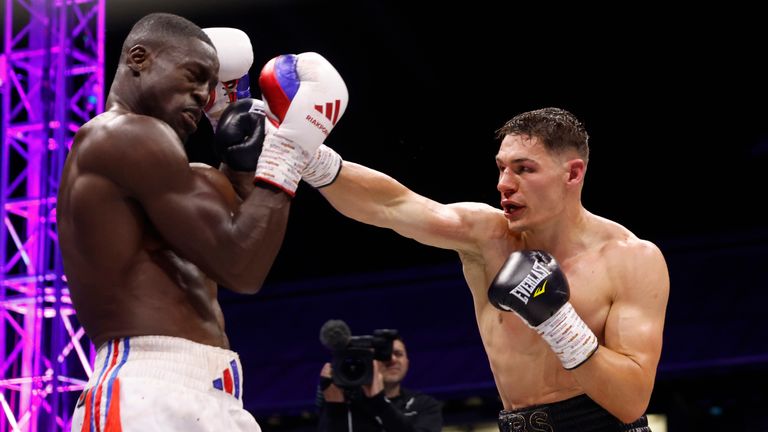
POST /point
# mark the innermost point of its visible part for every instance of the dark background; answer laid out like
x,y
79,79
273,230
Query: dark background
x,y
675,104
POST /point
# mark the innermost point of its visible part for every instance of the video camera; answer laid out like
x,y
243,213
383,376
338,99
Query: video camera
x,y
353,356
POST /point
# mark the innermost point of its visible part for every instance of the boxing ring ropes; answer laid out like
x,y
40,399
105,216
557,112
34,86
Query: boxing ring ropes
x,y
52,81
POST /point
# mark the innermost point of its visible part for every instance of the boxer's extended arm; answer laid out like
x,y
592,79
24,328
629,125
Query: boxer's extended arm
x,y
621,373
376,199
146,159
292,87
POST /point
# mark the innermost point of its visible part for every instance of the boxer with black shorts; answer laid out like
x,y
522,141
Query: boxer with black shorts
x,y
618,283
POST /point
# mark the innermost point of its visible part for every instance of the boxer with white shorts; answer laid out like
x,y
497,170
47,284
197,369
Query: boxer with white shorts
x,y
147,238
148,383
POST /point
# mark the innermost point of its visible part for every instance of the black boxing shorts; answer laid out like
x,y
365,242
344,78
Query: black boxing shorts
x,y
577,414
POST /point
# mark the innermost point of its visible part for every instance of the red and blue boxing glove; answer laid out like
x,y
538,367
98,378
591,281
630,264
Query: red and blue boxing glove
x,y
305,98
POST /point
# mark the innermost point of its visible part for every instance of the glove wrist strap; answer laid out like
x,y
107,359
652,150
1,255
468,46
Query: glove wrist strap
x,y
323,168
569,336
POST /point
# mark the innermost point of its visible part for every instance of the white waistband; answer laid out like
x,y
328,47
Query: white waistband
x,y
176,360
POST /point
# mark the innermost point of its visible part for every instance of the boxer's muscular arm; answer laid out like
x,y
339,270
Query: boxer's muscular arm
x,y
621,373
289,84
376,199
146,159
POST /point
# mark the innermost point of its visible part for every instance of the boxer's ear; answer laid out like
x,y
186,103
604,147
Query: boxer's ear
x,y
137,58
575,168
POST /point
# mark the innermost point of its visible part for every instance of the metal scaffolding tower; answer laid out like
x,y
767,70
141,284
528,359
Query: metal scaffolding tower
x,y
52,81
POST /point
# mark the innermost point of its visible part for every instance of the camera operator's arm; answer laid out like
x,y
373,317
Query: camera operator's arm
x,y
331,393
333,409
428,415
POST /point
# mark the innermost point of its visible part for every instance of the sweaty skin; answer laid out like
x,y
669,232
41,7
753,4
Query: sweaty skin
x,y
145,237
619,283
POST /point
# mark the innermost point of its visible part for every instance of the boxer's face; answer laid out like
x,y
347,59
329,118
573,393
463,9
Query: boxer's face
x,y
395,369
532,182
175,82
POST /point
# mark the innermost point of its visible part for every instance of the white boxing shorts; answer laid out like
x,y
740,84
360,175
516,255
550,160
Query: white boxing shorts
x,y
162,383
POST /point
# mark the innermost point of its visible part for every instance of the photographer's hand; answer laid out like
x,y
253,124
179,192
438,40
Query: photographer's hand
x,y
377,385
331,393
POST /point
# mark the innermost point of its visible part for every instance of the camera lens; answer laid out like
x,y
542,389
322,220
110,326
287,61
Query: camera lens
x,y
353,369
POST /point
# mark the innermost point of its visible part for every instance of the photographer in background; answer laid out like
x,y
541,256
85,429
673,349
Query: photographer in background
x,y
381,406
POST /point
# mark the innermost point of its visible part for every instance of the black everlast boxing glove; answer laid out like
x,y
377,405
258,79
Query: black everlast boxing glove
x,y
531,284
240,134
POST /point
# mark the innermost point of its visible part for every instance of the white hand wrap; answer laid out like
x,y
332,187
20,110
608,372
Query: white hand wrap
x,y
569,336
281,161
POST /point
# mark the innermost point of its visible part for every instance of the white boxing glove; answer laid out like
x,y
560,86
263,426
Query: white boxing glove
x,y
235,54
305,98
